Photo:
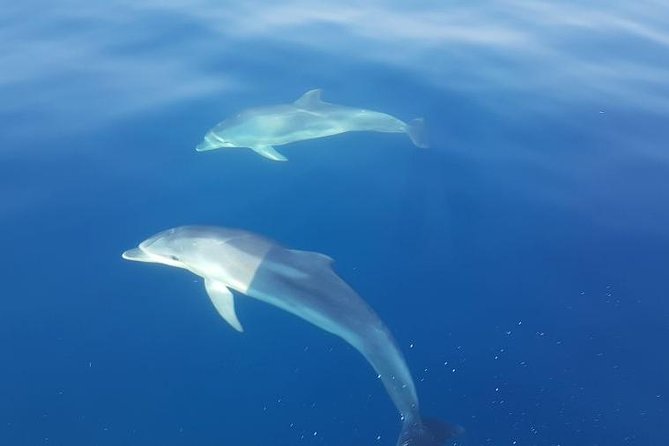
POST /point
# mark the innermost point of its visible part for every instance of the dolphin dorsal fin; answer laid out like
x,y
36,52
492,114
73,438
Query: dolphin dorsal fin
x,y
299,265
224,302
310,100
313,258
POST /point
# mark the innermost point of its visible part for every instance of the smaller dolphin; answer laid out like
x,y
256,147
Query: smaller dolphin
x,y
302,283
262,128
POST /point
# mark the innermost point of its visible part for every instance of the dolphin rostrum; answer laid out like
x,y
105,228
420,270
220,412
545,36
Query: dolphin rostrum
x,y
262,128
304,284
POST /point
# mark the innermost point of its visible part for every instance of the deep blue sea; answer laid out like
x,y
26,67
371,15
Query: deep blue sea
x,y
522,261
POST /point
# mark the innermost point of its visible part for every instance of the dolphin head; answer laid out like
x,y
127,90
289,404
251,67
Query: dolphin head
x,y
166,248
194,248
213,141
229,133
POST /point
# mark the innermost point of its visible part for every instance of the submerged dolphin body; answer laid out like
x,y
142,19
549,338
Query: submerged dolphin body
x,y
304,284
262,128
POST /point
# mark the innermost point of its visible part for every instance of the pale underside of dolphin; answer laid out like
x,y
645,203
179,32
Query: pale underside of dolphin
x,y
309,117
302,283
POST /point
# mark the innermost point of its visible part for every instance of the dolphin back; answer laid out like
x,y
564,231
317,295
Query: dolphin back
x,y
304,283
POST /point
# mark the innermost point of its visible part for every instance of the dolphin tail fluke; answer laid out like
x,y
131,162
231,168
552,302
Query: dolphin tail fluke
x,y
428,432
417,133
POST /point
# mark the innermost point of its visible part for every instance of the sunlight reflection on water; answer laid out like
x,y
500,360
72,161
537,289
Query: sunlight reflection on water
x,y
79,64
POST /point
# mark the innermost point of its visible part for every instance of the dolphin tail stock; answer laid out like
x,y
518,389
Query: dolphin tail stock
x,y
416,131
428,432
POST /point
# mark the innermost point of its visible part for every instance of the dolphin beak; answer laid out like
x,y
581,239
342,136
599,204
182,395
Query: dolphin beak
x,y
204,146
137,255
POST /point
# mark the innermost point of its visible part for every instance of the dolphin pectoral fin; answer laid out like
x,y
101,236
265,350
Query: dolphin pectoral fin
x,y
224,302
310,100
269,152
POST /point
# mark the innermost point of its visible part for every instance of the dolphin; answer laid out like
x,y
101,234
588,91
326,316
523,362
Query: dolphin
x,y
262,128
302,283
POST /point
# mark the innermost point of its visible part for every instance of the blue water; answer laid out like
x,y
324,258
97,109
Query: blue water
x,y
521,262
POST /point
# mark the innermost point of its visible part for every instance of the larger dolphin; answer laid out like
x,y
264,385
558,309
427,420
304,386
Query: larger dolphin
x,y
302,283
262,128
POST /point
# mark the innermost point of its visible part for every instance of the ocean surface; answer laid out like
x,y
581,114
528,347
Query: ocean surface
x,y
522,261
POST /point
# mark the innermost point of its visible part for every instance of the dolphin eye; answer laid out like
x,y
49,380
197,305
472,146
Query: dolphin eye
x,y
175,258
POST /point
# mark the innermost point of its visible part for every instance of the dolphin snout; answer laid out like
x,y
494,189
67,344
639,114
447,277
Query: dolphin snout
x,y
204,146
137,255
210,142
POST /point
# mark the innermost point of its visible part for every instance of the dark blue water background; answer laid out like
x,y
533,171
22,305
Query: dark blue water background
x,y
522,262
